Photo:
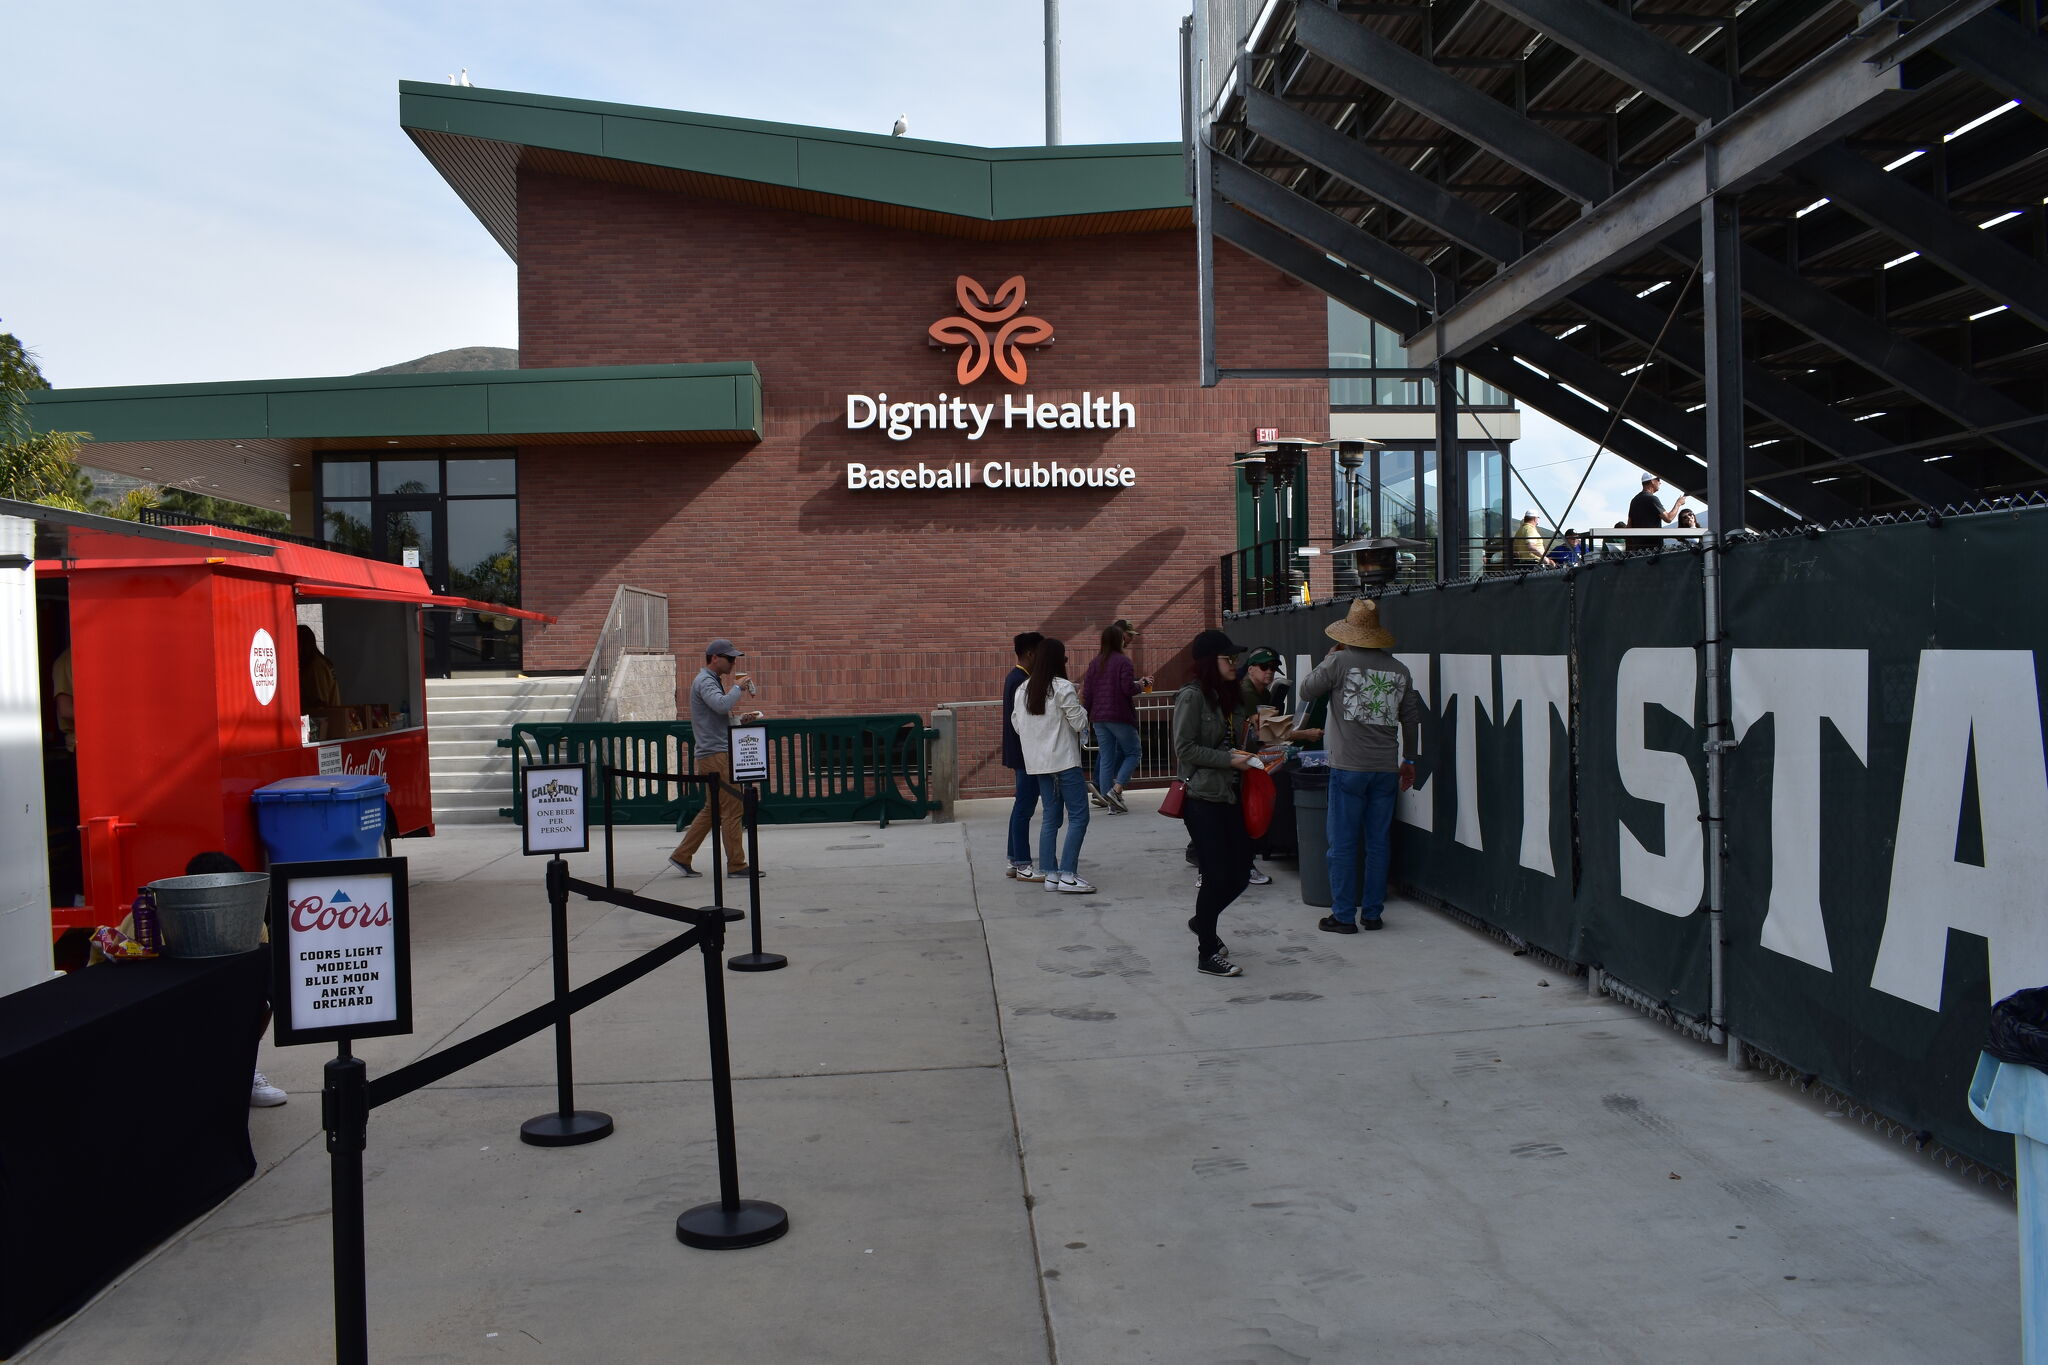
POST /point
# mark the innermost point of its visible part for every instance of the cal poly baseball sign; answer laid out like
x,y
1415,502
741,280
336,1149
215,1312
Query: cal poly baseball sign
x,y
341,943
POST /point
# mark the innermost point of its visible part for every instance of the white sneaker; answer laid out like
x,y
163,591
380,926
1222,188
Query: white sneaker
x,y
1027,873
1260,878
1074,886
264,1095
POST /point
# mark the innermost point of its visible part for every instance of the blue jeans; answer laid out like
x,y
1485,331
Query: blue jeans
x,y
1067,789
1360,820
1021,811
1116,754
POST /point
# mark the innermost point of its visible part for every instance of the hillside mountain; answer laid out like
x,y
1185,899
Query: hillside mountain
x,y
460,359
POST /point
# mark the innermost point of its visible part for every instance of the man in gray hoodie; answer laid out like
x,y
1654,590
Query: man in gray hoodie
x,y
1373,734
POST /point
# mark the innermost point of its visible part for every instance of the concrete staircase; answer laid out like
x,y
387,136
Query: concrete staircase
x,y
466,717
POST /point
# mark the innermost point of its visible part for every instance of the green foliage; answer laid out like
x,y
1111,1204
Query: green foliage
x,y
34,466
220,509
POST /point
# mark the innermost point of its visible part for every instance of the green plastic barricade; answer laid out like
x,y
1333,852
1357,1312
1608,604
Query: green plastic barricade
x,y
829,769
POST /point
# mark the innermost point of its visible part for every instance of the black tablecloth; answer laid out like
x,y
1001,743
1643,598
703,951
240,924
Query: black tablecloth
x,y
124,1114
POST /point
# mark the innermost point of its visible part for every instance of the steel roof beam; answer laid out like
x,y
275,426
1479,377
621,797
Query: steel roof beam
x,y
1780,400
1385,180
1898,361
1313,268
1464,109
2004,56
1918,220
1620,47
1825,100
1309,221
1599,382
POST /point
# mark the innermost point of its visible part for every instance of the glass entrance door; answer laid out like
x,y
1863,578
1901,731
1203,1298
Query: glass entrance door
x,y
458,520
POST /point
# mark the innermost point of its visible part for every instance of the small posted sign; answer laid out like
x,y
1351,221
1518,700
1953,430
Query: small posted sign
x,y
749,753
342,950
557,808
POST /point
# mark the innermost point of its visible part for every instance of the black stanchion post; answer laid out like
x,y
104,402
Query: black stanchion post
x,y
568,1126
345,1113
610,777
732,1222
756,961
716,785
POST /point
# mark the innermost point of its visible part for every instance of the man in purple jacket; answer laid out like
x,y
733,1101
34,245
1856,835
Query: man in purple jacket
x,y
1106,690
1026,803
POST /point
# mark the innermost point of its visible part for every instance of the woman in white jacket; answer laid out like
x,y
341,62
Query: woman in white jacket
x,y
1050,721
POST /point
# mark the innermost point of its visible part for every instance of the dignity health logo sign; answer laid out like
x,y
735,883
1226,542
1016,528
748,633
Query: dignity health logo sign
x,y
991,330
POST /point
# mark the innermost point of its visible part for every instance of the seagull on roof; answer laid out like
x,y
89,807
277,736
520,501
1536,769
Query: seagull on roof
x,y
902,126
465,76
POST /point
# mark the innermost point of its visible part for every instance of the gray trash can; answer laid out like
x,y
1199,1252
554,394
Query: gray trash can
x,y
1312,833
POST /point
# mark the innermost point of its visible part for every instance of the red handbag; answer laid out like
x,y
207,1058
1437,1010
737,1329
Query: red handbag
x,y
1255,797
1176,796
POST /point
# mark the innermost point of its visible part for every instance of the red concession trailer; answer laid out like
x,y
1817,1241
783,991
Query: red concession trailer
x,y
188,694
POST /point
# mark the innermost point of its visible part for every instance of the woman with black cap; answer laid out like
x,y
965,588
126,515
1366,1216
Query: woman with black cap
x,y
1203,718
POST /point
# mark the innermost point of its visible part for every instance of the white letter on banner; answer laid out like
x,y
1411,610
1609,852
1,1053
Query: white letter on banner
x,y
1673,880
1468,680
1981,701
1538,684
854,423
1800,688
856,475
1417,805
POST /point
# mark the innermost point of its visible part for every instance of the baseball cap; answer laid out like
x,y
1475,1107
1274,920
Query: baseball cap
x,y
720,646
1211,643
1650,478
1123,624
1263,657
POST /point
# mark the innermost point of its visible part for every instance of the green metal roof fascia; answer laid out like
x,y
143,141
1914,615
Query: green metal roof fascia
x,y
989,183
484,402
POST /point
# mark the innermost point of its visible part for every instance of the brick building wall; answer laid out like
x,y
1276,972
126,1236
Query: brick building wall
x,y
852,601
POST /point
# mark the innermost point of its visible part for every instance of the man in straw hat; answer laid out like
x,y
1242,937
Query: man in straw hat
x,y
1373,734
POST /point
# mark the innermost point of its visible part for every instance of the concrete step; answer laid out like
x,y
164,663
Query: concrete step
x,y
438,747
470,817
533,687
492,731
502,721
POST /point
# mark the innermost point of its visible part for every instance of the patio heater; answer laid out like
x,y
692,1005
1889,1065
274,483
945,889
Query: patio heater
x,y
1344,568
1253,468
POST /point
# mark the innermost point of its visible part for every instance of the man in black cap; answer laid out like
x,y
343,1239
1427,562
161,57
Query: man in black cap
x,y
714,695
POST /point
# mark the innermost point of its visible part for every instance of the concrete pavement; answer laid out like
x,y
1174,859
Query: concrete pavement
x,y
1015,1126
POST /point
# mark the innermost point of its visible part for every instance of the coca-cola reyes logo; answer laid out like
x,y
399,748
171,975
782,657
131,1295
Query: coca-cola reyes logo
x,y
316,913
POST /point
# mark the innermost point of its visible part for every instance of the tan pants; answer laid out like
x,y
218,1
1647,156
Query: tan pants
x,y
730,824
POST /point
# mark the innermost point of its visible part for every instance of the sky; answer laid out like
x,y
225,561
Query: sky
x,y
220,190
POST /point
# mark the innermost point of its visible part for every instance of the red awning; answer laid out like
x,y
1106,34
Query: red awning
x,y
422,599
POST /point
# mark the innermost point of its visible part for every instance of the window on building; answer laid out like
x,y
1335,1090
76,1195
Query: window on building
x,y
1359,343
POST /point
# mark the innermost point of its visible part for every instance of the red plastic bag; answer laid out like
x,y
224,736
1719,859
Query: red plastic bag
x,y
1255,797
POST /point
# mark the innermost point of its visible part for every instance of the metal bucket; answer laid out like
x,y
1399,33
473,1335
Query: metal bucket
x,y
215,914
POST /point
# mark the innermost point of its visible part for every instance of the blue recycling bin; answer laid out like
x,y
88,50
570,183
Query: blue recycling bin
x,y
312,819
2012,1098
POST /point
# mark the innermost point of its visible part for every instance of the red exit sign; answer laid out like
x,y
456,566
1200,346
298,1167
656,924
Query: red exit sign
x,y
1263,434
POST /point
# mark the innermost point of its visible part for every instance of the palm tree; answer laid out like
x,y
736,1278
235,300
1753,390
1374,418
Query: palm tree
x,y
34,466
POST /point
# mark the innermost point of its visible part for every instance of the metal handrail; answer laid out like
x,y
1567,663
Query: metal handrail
x,y
637,623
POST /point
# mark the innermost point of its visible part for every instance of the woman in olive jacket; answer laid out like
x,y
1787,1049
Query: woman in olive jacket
x,y
1203,718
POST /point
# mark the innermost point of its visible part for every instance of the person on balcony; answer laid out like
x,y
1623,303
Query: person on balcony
x,y
1106,690
1567,552
1529,545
